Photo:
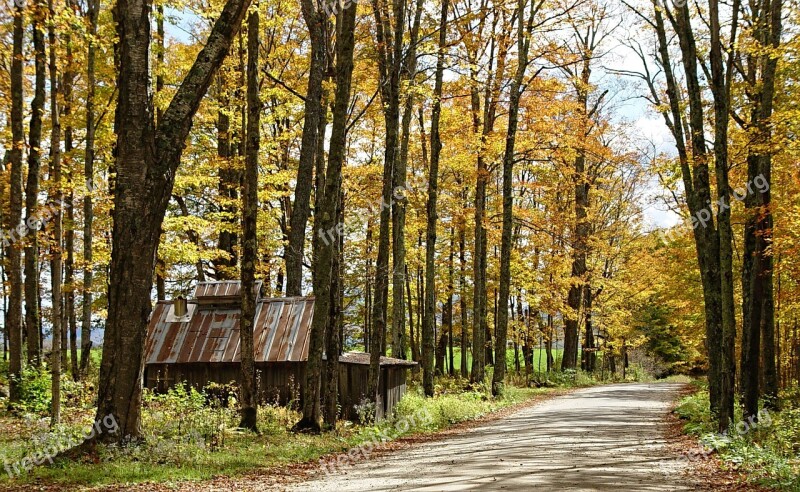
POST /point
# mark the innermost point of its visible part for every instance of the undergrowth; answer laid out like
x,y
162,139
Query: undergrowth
x,y
768,452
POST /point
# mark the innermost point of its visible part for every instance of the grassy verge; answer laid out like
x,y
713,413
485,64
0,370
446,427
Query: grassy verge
x,y
767,452
188,439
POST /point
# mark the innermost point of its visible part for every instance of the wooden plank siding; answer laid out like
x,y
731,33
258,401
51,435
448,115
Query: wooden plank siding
x,y
282,383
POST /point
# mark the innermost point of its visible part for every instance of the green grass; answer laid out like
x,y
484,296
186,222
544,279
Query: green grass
x,y
768,453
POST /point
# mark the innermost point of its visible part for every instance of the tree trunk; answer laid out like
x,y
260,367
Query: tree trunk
x,y
88,208
579,247
249,388
462,297
230,181
589,359
337,153
12,244
69,317
412,338
551,362
147,158
449,304
329,210
333,335
32,218
758,334
316,21
56,203
429,322
696,182
720,87
389,44
523,42
400,201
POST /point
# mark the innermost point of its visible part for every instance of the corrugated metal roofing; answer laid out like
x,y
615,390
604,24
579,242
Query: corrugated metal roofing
x,y
212,335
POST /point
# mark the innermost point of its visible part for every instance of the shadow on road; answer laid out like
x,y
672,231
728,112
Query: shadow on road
x,y
608,438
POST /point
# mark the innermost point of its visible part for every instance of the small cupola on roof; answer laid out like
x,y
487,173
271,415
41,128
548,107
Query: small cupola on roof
x,y
221,293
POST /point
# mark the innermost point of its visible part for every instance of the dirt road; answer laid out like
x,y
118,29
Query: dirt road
x,y
602,438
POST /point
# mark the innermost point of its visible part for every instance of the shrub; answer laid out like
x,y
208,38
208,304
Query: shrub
x,y
768,453
34,388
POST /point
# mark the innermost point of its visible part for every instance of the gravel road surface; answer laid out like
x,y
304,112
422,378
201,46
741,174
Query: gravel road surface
x,y
602,438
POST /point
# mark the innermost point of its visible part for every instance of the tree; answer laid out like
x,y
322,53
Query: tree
x,y
389,31
146,160
712,237
32,219
56,205
326,227
88,171
249,387
524,31
429,321
317,22
14,269
345,48
758,317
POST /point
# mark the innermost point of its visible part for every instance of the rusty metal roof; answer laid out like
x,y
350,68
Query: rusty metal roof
x,y
281,331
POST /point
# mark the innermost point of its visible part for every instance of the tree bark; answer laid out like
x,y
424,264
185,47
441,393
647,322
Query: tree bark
x,y
589,359
56,201
429,322
412,337
481,336
12,244
316,20
88,171
344,74
523,43
696,181
758,334
400,202
462,296
389,44
575,299
249,387
147,158
32,219
69,317
333,335
328,239
448,308
230,181
720,87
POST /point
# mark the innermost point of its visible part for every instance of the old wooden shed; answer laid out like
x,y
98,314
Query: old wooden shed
x,y
197,343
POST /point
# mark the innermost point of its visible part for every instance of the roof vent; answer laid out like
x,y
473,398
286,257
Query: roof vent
x,y
180,309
